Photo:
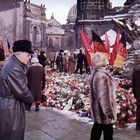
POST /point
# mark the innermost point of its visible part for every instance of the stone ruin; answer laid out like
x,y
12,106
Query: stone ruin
x,y
134,52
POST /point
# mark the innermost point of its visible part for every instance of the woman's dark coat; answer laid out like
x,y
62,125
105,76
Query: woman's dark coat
x,y
36,80
14,95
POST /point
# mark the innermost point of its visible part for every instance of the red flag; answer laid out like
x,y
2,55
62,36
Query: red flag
x,y
9,48
1,45
122,46
86,41
115,49
107,45
98,44
2,51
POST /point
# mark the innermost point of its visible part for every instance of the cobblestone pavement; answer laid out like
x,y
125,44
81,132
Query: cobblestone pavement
x,y
48,124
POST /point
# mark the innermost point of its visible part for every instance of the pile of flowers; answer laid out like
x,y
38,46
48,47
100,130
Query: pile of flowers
x,y
72,92
126,103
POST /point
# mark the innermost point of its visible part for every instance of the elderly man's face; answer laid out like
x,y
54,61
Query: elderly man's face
x,y
24,57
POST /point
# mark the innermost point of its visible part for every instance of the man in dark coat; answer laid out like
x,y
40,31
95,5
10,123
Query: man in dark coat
x,y
136,91
87,67
15,95
80,62
42,58
59,62
36,80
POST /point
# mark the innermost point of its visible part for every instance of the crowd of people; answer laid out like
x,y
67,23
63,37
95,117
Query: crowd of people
x,y
71,62
22,80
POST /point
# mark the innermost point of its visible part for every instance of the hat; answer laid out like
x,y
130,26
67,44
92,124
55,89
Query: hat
x,y
34,60
99,60
22,46
61,51
2,55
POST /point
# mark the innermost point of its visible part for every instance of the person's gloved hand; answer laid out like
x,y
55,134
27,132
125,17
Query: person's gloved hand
x,y
28,107
111,116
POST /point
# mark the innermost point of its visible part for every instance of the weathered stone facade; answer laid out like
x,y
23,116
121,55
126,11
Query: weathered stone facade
x,y
92,9
54,35
70,28
23,20
91,17
34,24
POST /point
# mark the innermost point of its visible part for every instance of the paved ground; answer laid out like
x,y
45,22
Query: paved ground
x,y
48,124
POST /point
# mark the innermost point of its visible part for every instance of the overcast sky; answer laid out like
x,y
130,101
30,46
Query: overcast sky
x,y
60,8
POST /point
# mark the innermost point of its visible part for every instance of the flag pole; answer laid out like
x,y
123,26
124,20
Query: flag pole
x,y
123,30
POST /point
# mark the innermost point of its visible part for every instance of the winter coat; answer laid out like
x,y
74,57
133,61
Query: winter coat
x,y
36,80
42,59
80,60
71,64
103,104
59,62
65,63
52,56
14,95
136,84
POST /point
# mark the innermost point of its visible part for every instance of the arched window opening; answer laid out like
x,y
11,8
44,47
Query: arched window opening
x,y
35,35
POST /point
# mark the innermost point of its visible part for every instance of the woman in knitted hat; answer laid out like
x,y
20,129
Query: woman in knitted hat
x,y
103,105
36,71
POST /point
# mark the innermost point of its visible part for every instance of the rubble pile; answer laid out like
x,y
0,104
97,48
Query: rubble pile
x,y
132,59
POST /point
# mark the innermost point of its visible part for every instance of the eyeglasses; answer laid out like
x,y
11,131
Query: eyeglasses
x,y
29,55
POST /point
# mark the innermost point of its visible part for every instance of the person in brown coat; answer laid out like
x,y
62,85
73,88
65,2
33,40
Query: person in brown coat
x,y
136,91
36,80
65,62
71,63
52,58
103,104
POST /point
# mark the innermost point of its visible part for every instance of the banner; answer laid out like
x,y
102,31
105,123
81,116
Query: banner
x,y
98,45
86,41
122,52
115,49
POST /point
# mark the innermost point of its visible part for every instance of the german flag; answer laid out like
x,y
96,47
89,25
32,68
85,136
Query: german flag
x,y
98,45
121,52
